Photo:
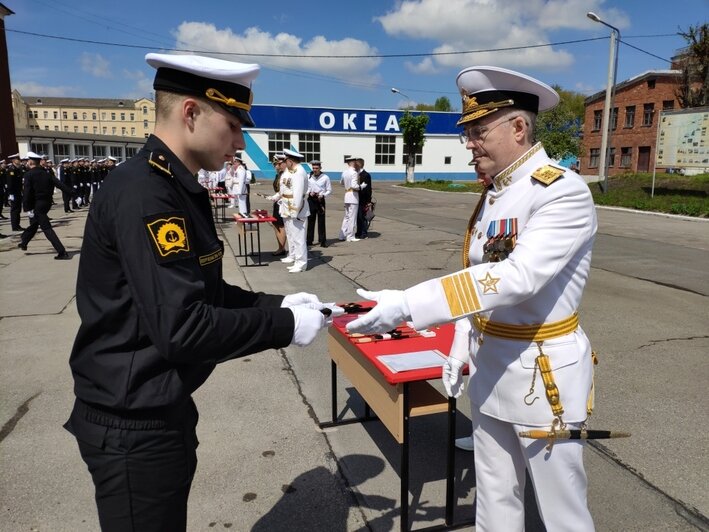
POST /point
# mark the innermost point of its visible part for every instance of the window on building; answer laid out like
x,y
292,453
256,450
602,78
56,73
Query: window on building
x,y
76,129
145,124
41,148
145,109
56,115
130,152
597,119
81,150
86,129
66,128
99,151
84,116
113,116
93,116
132,116
419,155
132,132
45,114
447,159
75,116
113,130
29,114
626,156
648,111
595,155
668,105
277,142
614,118
123,131
46,128
64,115
116,153
120,104
630,116
39,101
309,146
61,151
104,130
651,84
103,116
56,128
385,149
95,130
611,157
123,116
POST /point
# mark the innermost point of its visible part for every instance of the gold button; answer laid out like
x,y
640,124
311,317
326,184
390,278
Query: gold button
x,y
480,235
492,200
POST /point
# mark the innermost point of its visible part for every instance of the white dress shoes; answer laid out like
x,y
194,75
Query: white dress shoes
x,y
465,444
288,260
353,239
297,268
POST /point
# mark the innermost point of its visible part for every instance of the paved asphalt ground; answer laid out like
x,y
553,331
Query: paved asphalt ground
x,y
264,463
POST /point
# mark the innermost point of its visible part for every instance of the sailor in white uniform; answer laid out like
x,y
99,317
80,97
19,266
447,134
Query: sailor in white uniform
x,y
528,256
350,180
294,211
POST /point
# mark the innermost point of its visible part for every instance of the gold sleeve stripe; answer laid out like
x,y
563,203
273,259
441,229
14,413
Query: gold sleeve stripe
x,y
460,294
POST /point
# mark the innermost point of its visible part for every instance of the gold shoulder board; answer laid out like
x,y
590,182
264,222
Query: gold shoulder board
x,y
548,174
159,161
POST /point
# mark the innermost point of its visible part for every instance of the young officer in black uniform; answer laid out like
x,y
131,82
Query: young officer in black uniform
x,y
156,315
37,200
14,172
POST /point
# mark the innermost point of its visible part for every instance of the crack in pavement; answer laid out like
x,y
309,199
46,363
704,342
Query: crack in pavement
x,y
655,342
8,427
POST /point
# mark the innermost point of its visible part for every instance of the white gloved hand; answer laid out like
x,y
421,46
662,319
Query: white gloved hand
x,y
11,197
390,311
308,323
363,186
458,357
30,214
301,298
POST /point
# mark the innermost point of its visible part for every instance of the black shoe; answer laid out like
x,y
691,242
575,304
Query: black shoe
x,y
62,256
22,246
18,228
323,244
279,253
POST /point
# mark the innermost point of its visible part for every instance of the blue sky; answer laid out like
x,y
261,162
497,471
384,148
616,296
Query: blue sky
x,y
41,66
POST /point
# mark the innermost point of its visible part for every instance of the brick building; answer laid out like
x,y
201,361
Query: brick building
x,y
634,121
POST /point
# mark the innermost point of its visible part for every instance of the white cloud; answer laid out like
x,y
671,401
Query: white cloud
x,y
96,65
143,87
426,66
31,88
203,36
492,25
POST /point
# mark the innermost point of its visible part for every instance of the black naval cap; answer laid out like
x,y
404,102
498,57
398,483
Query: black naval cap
x,y
225,82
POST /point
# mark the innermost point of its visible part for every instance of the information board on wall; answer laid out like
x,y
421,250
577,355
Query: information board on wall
x,y
683,139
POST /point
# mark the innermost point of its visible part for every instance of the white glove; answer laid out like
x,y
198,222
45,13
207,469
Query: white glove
x,y
79,201
30,214
363,186
308,323
11,197
390,311
457,358
301,298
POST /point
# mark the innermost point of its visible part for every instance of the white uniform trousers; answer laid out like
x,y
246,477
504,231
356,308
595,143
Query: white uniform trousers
x,y
295,237
349,222
242,203
559,478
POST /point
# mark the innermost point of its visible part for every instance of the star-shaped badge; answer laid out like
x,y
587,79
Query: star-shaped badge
x,y
489,283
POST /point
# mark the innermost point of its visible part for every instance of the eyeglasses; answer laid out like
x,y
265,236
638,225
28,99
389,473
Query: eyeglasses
x,y
480,133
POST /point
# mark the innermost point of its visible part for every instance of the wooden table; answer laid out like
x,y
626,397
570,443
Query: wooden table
x,y
219,202
395,397
249,226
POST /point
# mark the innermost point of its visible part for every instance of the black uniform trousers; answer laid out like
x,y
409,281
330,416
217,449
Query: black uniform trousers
x,y
15,210
362,223
317,212
66,198
41,220
142,467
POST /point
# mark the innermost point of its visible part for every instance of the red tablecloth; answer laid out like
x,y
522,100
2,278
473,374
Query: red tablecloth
x,y
442,342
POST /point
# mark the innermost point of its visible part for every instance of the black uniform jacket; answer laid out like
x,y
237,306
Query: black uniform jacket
x,y
39,187
365,196
156,315
14,180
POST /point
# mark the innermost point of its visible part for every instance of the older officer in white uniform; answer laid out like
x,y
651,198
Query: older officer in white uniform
x,y
529,253
238,189
294,211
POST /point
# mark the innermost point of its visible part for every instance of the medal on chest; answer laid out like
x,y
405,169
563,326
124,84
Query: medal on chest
x,y
501,239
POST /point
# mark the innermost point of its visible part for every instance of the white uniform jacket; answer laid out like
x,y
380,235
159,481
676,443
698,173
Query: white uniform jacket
x,y
239,187
350,180
540,281
293,191
320,185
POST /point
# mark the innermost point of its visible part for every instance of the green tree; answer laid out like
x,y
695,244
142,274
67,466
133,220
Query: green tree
x,y
560,128
413,128
694,87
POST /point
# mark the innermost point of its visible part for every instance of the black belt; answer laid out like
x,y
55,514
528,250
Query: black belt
x,y
144,419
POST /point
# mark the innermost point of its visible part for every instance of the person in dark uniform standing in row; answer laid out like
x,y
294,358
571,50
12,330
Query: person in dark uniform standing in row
x,y
365,198
64,175
14,191
37,200
3,188
156,314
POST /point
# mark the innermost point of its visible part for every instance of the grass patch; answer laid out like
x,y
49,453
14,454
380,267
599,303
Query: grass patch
x,y
674,193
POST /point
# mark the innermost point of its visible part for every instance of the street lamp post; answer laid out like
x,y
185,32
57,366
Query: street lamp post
x,y
610,93
397,91
410,161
